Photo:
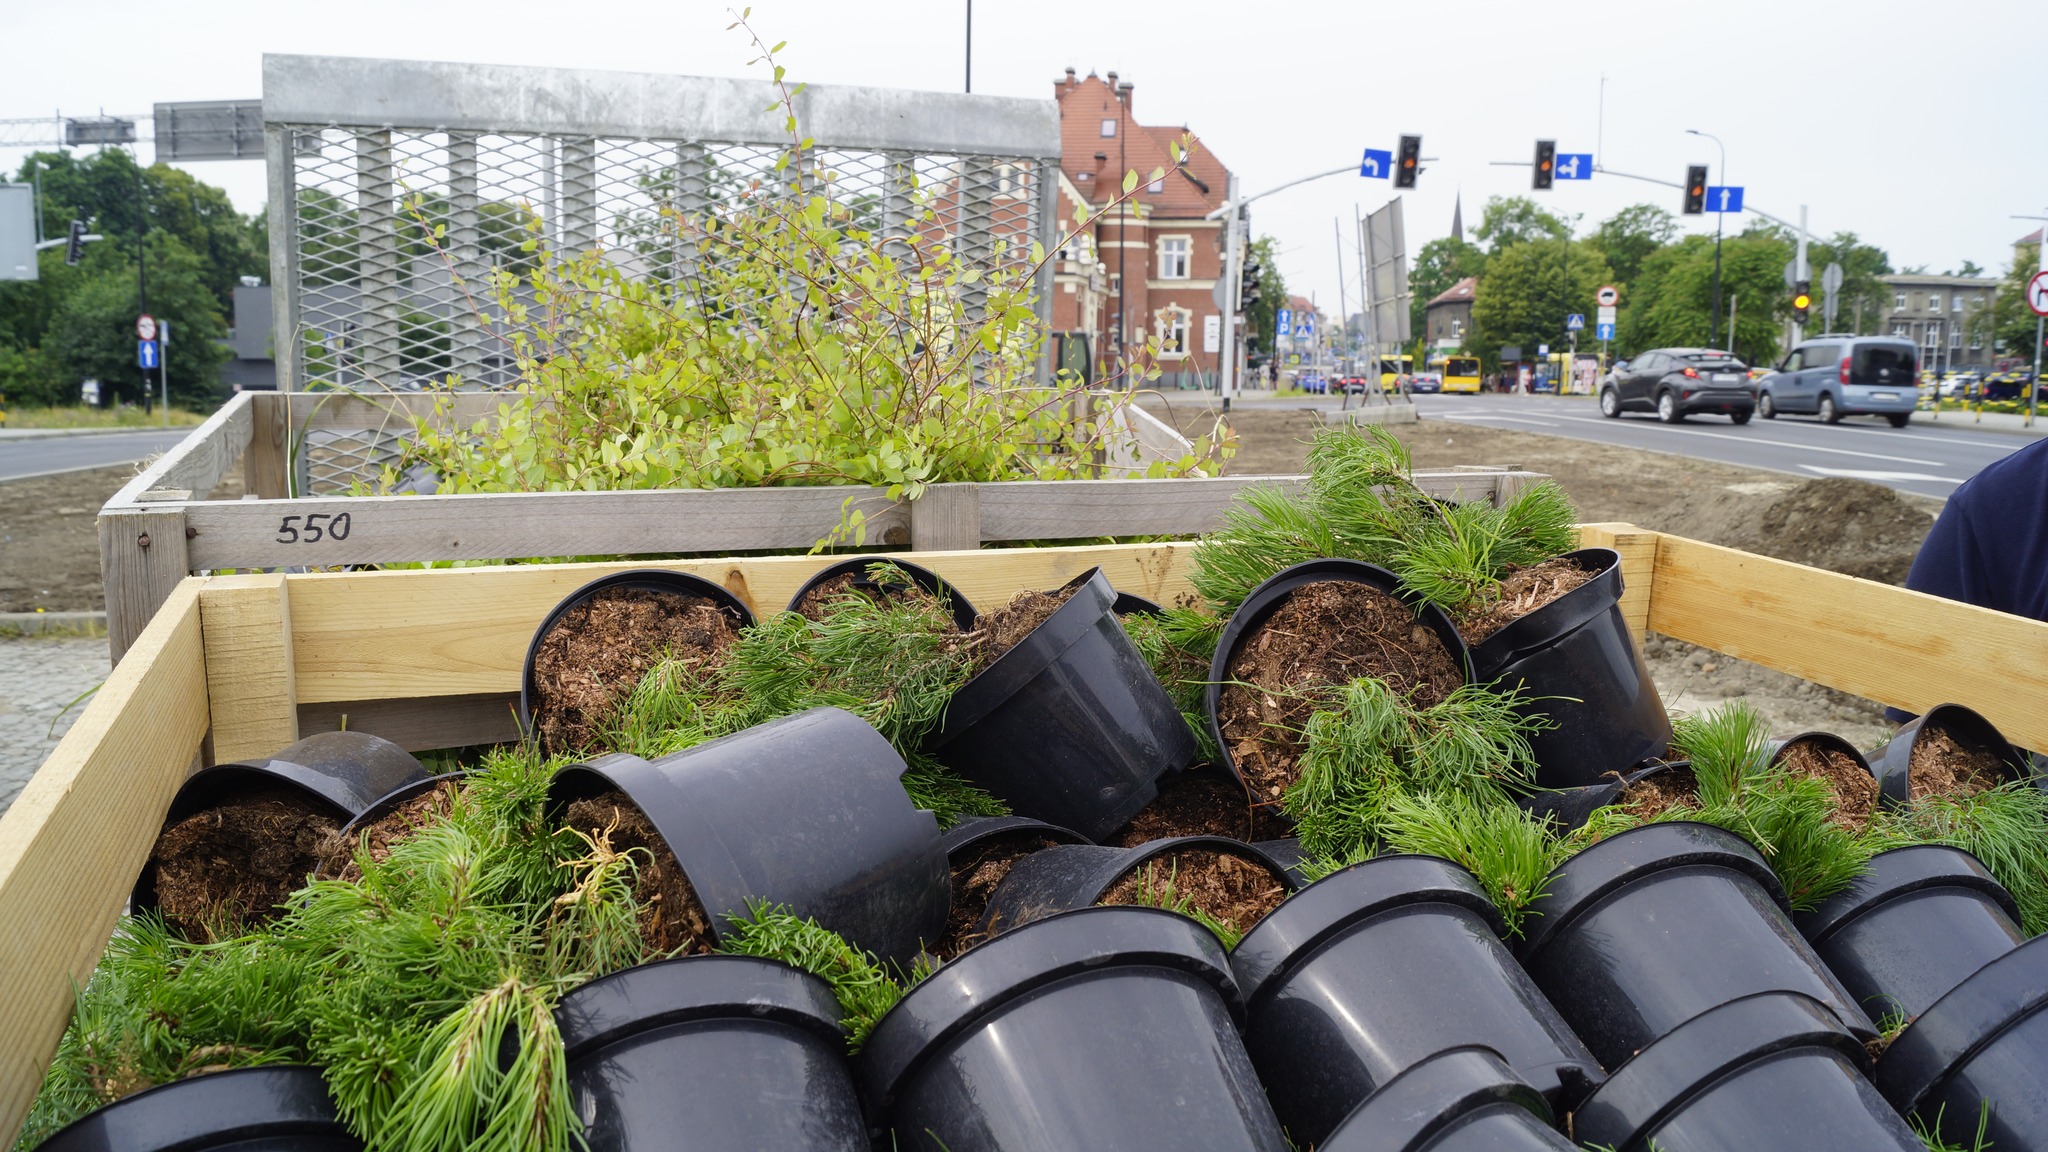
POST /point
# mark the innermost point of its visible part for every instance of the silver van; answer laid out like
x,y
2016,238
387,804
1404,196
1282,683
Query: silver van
x,y
1837,376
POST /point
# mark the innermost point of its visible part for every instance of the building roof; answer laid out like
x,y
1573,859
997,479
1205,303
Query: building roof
x,y
1190,190
2033,237
1927,280
1459,293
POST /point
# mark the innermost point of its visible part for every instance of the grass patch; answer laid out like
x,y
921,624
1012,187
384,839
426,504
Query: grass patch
x,y
120,416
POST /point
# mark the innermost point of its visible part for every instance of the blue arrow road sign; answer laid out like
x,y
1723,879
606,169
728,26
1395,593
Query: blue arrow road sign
x,y
1377,164
1575,322
1573,166
1604,331
1280,322
1724,199
145,353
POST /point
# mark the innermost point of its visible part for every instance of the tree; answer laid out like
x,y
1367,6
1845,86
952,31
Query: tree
x,y
1259,317
1510,220
1524,296
1442,262
92,334
1630,235
1864,298
2007,326
1969,268
1672,306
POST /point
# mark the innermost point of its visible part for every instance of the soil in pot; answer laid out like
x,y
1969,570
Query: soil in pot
x,y
1854,788
672,919
1328,633
1006,627
1945,768
975,877
1230,890
233,864
405,818
598,650
1200,804
1521,592
1656,793
816,603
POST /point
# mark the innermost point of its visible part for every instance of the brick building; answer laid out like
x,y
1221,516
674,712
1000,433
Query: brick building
x,y
1448,317
1150,268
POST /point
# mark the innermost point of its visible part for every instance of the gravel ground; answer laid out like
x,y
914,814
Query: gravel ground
x,y
38,677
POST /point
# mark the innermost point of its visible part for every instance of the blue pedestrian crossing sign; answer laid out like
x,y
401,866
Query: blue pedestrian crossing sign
x,y
1305,327
1573,166
145,353
1576,322
1724,198
1604,331
1281,321
1377,164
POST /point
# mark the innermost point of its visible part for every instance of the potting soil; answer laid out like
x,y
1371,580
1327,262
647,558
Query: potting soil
x,y
975,879
1522,592
1327,634
1006,627
1199,804
377,836
1230,889
672,919
1652,796
816,603
1945,768
1855,789
596,653
231,866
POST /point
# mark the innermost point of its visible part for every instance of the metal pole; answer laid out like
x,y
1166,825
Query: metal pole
x,y
2034,385
163,365
39,199
1801,270
1226,365
1714,321
1734,299
970,48
142,261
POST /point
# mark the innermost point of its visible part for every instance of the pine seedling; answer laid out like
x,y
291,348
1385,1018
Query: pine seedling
x,y
2000,826
1729,747
1511,852
864,985
1268,529
1178,645
1930,1134
1156,891
463,1096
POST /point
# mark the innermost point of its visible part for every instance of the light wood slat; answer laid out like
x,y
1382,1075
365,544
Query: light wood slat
x,y
266,466
496,526
201,458
1902,648
73,842
459,632
142,557
1638,549
421,725
247,623
946,517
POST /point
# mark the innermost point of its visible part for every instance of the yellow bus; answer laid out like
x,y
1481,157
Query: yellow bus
x,y
1459,373
1393,368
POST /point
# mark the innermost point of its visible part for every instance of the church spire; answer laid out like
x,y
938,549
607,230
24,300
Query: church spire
x,y
1458,218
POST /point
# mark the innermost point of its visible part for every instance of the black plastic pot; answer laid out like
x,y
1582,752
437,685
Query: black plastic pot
x,y
807,811
710,1052
352,831
1770,1071
1268,598
1986,1040
1074,876
1111,1028
962,612
1906,932
1575,656
651,579
1463,1100
1129,604
1570,808
1653,926
341,773
1070,726
1892,763
1370,971
976,831
274,1108
1289,854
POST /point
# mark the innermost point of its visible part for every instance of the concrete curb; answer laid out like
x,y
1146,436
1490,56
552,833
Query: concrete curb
x,y
9,435
53,623
1377,414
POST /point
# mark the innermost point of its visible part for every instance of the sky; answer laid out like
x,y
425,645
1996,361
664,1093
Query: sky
x,y
1921,127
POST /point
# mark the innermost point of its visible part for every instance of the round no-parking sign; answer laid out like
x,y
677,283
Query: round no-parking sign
x,y
2037,293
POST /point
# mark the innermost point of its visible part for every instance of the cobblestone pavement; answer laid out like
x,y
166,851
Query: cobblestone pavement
x,y
38,677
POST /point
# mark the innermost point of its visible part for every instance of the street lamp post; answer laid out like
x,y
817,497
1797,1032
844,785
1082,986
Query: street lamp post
x,y
1721,173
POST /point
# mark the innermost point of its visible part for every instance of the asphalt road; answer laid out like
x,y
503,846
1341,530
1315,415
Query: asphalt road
x,y
1927,457
20,459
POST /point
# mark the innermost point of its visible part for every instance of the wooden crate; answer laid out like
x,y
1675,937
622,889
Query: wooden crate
x,y
161,528
236,666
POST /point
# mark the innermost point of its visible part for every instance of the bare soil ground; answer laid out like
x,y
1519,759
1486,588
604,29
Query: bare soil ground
x,y
1839,524
49,537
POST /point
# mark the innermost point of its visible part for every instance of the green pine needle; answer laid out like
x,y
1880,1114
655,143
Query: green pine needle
x,y
1510,852
864,986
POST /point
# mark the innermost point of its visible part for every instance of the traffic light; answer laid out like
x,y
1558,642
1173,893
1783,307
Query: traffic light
x,y
1248,284
1405,162
1545,169
1802,300
1696,190
74,248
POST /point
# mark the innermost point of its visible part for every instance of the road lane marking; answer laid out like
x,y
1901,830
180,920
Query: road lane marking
x,y
1878,477
1490,416
1758,440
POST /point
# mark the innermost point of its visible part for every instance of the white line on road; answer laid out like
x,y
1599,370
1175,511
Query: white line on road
x,y
1880,477
1760,440
1490,416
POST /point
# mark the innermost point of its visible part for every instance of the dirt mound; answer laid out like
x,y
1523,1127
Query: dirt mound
x,y
1842,525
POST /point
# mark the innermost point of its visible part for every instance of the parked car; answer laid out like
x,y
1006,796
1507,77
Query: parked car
x,y
1679,382
1426,382
1354,385
1836,376
1959,384
1313,385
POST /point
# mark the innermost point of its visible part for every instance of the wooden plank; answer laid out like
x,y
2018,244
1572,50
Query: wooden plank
x,y
247,623
142,558
1877,641
73,842
393,411
421,725
1638,549
461,632
201,458
266,465
514,525
946,518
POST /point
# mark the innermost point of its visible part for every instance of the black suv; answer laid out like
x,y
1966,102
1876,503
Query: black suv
x,y
1677,382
